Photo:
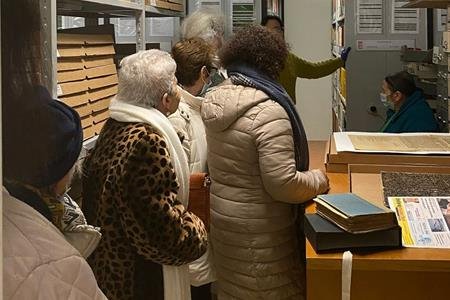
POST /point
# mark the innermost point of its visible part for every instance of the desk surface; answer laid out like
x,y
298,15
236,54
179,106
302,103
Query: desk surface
x,y
368,185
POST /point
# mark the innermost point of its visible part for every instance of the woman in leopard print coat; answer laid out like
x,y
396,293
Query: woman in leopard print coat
x,y
135,188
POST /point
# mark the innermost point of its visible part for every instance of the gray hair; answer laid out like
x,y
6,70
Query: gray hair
x,y
203,24
145,77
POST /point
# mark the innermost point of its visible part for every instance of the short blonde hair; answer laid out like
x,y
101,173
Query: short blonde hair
x,y
145,77
203,24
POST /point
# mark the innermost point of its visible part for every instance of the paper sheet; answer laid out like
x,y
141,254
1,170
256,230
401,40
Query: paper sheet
x,y
407,143
161,26
347,261
369,16
441,19
404,20
425,221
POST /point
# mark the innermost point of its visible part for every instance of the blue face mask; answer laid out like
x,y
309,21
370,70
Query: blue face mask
x,y
384,99
205,88
207,84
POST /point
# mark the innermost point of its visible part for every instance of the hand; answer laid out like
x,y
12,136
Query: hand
x,y
321,180
344,54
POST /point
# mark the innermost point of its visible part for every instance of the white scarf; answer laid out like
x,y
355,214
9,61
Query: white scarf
x,y
176,279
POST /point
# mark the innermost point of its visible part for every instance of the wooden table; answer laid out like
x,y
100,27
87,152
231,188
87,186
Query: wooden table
x,y
392,274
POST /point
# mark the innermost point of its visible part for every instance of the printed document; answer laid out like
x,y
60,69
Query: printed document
x,y
425,221
405,143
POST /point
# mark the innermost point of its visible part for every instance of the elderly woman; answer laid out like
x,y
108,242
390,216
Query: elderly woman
x,y
210,27
45,235
258,161
136,188
194,58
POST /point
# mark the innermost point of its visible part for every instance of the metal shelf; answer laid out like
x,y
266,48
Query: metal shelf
x,y
336,50
92,9
428,4
338,20
88,145
98,8
151,11
342,98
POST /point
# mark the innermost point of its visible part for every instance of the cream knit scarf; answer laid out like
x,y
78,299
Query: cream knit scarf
x,y
176,279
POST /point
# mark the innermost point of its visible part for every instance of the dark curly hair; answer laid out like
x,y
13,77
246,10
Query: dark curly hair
x,y
257,47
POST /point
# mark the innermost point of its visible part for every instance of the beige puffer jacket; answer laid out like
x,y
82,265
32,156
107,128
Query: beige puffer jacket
x,y
254,184
187,121
38,262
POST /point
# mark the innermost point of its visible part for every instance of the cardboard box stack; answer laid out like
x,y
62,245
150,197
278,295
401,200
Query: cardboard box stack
x,y
87,77
176,5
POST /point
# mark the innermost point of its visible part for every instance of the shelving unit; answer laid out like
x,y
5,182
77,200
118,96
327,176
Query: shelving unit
x,y
337,44
440,59
441,56
428,4
369,30
92,10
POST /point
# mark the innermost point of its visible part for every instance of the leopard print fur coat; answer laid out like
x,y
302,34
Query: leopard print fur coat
x,y
130,192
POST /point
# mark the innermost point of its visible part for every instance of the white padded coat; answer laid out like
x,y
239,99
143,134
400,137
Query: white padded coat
x,y
38,262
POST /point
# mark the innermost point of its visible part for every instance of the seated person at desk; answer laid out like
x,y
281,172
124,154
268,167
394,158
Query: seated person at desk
x,y
408,111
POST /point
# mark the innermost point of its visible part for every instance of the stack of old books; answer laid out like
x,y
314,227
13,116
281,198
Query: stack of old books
x,y
346,221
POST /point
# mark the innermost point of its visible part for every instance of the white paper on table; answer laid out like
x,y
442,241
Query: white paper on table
x,y
344,144
424,223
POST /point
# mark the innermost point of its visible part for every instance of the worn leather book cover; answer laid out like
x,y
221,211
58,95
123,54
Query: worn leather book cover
x,y
324,236
353,213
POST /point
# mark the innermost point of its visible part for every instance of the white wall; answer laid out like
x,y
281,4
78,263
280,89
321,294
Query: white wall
x,y
307,28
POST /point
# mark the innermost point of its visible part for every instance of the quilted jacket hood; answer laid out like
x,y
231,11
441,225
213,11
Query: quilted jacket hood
x,y
226,103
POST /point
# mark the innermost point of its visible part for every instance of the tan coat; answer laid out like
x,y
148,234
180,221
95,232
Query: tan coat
x,y
254,184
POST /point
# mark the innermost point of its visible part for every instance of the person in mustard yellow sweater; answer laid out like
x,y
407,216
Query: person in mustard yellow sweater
x,y
298,67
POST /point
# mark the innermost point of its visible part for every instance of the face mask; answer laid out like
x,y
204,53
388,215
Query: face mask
x,y
388,104
207,84
205,88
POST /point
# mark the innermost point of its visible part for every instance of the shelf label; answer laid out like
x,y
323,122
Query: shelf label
x,y
404,20
153,2
383,45
441,19
369,17
161,26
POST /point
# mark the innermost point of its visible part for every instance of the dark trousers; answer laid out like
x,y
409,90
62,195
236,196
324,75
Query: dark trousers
x,y
201,293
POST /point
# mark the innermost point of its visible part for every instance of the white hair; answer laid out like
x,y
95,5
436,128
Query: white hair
x,y
203,24
145,77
